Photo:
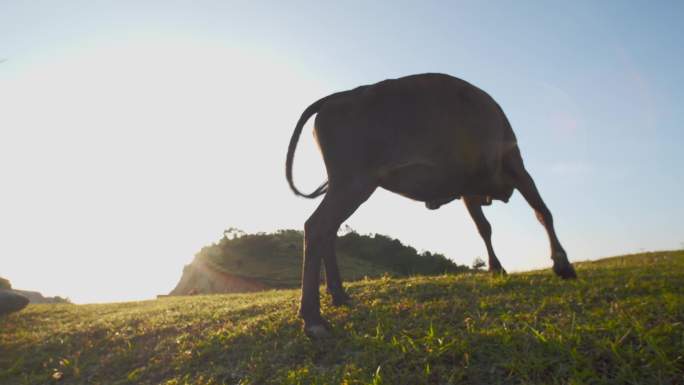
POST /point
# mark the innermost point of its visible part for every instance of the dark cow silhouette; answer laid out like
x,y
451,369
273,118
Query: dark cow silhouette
x,y
432,138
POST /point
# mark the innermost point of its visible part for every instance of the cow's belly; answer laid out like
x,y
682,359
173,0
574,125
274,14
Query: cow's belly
x,y
422,182
426,183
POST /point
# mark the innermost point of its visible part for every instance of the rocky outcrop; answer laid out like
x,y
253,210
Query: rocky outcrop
x,y
12,300
201,277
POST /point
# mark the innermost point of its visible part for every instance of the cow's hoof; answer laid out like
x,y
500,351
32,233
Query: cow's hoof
x,y
562,267
565,272
317,330
341,299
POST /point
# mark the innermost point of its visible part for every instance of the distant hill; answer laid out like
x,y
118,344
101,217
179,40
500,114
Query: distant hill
x,y
36,297
33,296
251,262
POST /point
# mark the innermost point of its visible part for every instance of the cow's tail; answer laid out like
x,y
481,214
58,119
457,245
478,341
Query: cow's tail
x,y
310,111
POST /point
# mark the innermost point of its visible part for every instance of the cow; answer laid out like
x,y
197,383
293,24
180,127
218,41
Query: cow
x,y
430,137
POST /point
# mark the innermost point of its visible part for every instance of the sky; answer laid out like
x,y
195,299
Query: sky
x,y
132,133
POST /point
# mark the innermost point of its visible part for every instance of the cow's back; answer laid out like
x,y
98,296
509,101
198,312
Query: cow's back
x,y
429,118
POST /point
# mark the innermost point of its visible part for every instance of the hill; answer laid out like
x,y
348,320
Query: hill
x,y
250,262
621,322
33,296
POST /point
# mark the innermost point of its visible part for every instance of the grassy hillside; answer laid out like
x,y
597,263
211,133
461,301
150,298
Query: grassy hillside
x,y
621,322
275,259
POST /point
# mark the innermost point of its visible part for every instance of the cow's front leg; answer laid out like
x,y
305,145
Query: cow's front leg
x,y
474,206
525,184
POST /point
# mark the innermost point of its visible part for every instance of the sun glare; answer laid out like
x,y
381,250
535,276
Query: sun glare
x,y
127,151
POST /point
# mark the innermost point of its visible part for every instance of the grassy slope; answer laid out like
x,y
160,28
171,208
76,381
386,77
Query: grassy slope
x,y
622,322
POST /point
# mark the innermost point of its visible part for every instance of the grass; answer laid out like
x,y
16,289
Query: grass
x,y
621,322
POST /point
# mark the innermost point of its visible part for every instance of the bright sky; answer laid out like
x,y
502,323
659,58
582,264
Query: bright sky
x,y
131,135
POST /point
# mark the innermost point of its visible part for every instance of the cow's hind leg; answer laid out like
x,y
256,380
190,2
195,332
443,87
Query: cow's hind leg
x,y
473,204
524,183
333,279
320,230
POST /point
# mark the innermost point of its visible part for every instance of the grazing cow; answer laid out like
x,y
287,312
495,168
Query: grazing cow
x,y
432,138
